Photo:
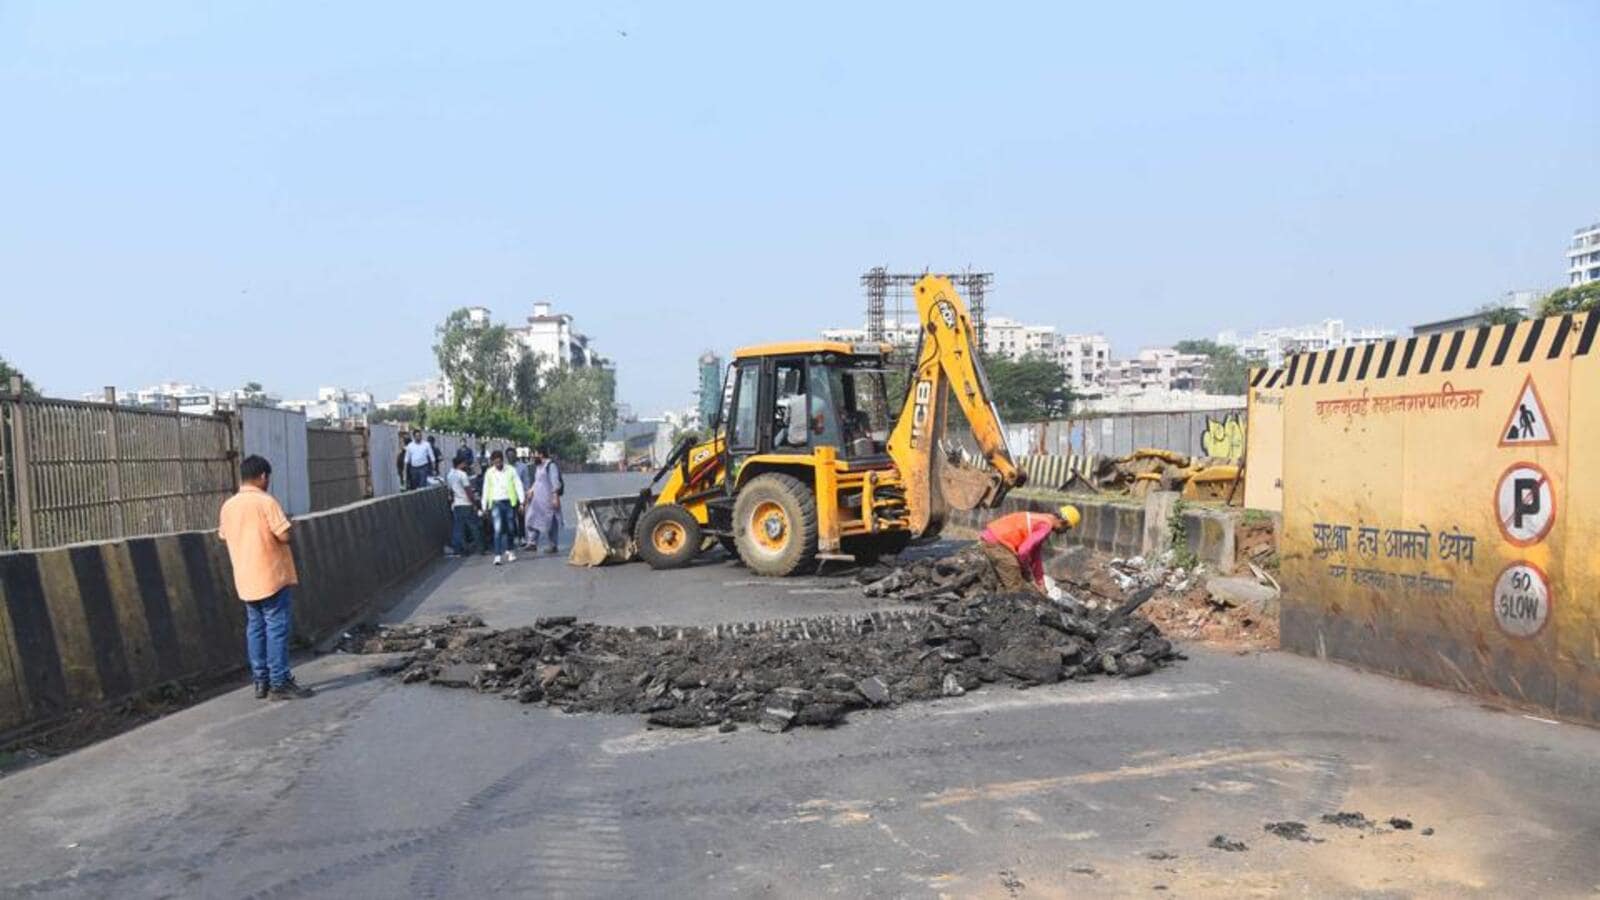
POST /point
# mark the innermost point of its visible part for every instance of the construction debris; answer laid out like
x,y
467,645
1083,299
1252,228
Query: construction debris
x,y
1148,469
798,672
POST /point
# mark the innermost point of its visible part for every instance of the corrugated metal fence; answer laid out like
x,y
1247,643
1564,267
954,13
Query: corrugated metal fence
x,y
90,471
72,471
339,467
1214,432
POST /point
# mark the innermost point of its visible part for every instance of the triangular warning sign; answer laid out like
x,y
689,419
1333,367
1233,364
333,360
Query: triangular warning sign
x,y
1527,425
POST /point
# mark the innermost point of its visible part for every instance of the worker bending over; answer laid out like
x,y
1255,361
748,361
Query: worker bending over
x,y
1014,543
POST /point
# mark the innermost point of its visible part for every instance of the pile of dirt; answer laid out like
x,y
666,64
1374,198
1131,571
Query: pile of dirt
x,y
1183,603
789,673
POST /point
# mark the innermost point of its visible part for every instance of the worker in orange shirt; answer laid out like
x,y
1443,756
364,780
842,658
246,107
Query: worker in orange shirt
x,y
1014,543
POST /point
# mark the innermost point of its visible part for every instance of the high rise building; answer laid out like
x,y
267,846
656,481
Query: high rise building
x,y
710,392
1583,257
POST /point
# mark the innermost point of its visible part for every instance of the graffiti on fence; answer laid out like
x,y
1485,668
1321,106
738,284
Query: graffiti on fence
x,y
1224,439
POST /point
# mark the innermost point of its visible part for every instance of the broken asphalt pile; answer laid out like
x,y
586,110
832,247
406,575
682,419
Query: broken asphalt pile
x,y
777,675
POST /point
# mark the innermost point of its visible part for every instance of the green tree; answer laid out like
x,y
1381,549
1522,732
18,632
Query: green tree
x,y
1228,372
475,359
1581,298
405,415
6,371
582,401
525,383
252,394
1494,314
1030,389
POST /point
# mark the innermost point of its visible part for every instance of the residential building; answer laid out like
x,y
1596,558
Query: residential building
x,y
175,396
1269,347
550,337
902,333
1157,369
435,391
1084,357
1583,257
334,405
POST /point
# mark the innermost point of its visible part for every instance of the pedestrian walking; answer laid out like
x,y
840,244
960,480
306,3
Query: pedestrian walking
x,y
464,526
544,501
502,498
256,531
438,459
419,461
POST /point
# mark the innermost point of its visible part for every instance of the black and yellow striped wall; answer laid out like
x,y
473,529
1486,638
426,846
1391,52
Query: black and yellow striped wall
x,y
93,623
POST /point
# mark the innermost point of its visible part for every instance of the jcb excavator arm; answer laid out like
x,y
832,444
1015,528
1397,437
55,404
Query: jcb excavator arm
x,y
947,362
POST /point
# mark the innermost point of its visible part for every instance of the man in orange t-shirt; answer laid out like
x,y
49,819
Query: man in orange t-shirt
x,y
257,534
1014,543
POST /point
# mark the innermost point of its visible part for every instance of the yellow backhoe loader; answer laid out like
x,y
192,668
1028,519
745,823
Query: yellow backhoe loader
x,y
806,462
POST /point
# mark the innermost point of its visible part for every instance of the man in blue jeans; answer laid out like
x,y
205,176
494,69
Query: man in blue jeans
x,y
502,496
257,534
463,505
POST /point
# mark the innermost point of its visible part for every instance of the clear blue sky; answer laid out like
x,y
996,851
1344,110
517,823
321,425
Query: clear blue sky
x,y
296,193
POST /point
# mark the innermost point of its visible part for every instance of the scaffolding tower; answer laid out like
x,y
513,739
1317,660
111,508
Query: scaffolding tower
x,y
890,292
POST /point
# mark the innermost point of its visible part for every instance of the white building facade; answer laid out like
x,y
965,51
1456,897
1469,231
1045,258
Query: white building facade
x,y
1157,369
550,337
1269,347
1583,257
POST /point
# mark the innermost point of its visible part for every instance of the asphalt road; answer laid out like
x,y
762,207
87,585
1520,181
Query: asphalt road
x,y
1107,788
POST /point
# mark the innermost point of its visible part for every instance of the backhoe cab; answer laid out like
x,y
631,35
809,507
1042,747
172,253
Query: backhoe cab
x,y
807,463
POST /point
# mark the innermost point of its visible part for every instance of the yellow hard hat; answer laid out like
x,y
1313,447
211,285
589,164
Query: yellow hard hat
x,y
1070,515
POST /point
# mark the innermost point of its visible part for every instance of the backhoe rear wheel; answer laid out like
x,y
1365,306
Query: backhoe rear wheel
x,y
668,537
775,525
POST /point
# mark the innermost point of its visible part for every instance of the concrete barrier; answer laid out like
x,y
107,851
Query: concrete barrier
x,y
92,623
1120,528
1440,505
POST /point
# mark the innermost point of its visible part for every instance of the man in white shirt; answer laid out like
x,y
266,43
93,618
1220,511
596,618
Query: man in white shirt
x,y
419,461
463,507
502,495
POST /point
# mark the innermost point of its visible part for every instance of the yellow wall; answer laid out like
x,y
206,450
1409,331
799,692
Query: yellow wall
x,y
1263,467
1384,466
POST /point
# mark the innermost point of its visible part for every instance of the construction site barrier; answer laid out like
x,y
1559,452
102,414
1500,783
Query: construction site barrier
x,y
92,623
1440,507
1263,463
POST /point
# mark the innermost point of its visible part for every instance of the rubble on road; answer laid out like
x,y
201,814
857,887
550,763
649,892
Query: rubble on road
x,y
1185,603
960,636
1189,603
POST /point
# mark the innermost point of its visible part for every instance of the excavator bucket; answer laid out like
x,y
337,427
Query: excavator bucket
x,y
605,529
968,487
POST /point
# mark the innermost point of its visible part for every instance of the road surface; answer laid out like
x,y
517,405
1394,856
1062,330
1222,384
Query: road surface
x,y
1107,788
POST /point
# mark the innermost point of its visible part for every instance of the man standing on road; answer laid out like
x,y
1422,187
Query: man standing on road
x,y
1014,544
502,499
256,531
463,506
419,461
544,503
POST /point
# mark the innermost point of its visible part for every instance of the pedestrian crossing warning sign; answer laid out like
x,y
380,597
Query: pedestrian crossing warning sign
x,y
1528,424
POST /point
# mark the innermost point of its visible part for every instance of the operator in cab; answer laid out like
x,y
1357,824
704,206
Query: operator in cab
x,y
1014,544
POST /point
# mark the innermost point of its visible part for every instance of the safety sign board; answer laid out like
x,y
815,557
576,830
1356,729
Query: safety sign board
x,y
1525,504
1522,599
1528,424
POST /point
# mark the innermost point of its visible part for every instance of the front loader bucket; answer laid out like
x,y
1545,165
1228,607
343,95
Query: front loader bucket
x,y
605,529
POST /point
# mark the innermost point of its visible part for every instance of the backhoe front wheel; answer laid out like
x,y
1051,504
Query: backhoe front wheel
x,y
775,525
668,537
